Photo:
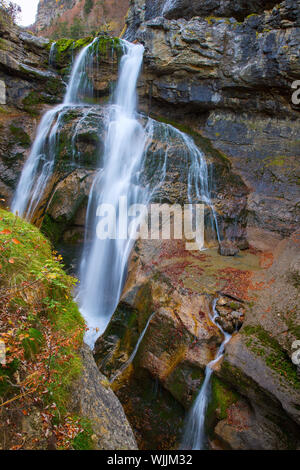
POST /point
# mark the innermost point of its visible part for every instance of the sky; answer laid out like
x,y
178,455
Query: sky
x,y
29,8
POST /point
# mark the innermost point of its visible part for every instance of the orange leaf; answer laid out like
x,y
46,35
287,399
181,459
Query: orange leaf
x,y
5,232
11,261
16,242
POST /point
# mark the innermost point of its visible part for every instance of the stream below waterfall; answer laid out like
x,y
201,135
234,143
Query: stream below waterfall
x,y
195,433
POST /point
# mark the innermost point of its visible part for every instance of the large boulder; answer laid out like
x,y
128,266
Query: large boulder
x,y
92,398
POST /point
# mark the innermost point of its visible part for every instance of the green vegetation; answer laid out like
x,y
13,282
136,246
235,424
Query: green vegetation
x,y
51,229
83,440
31,102
222,398
40,323
262,344
20,136
66,49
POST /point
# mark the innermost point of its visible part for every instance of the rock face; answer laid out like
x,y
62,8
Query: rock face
x,y
91,15
254,387
231,80
168,369
213,75
49,10
93,399
27,87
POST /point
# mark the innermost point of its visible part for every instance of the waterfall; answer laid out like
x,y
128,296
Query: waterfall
x,y
52,54
195,435
104,262
103,266
39,166
134,352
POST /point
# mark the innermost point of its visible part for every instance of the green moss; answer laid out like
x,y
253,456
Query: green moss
x,y
83,440
262,344
51,229
31,102
214,19
178,383
66,49
279,161
3,110
222,397
5,45
21,137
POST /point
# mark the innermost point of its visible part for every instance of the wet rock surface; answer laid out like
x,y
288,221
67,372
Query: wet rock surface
x,y
254,387
228,75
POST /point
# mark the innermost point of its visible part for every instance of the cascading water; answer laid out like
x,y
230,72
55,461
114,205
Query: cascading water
x,y
195,435
104,262
39,166
134,352
52,54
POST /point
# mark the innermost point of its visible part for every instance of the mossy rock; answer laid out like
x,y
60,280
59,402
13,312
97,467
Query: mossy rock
x,y
20,136
221,398
263,345
67,49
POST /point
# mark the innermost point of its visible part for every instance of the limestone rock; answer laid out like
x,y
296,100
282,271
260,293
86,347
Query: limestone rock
x,y
209,66
93,398
248,429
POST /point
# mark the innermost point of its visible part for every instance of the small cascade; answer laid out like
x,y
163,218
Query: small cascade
x,y
195,435
52,54
39,166
193,174
134,352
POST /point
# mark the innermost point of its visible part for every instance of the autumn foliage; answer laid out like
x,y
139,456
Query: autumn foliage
x,y
42,330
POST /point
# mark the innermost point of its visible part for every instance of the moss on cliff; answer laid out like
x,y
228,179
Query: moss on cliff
x,y
67,49
20,136
262,344
222,397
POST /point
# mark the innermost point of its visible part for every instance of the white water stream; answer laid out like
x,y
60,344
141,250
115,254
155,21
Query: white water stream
x,y
104,262
134,352
195,434
39,166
